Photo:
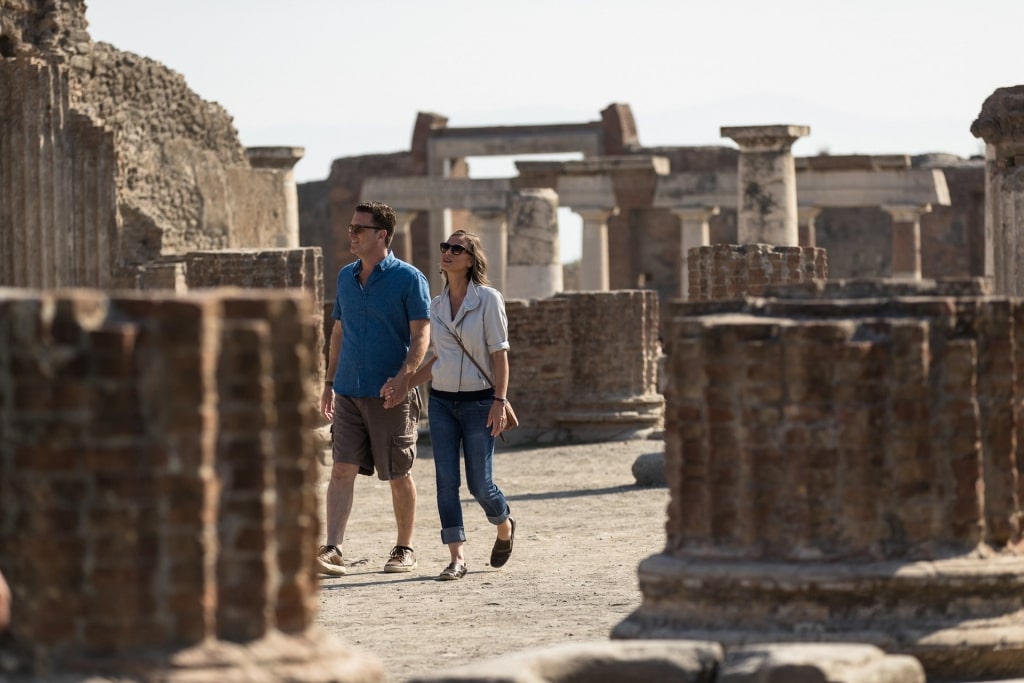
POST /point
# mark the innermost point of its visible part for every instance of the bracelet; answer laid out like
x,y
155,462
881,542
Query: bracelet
x,y
328,384
503,400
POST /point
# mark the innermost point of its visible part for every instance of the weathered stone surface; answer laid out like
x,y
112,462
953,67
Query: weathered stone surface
x,y
649,469
602,662
832,663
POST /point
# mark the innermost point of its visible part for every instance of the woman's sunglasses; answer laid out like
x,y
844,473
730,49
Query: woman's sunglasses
x,y
456,249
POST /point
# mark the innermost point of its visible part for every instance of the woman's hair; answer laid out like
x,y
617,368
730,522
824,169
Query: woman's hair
x,y
478,271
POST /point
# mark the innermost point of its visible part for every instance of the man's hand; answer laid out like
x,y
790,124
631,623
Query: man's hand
x,y
327,402
5,604
395,390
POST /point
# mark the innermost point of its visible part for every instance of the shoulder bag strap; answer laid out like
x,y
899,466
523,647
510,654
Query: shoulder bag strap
x,y
470,357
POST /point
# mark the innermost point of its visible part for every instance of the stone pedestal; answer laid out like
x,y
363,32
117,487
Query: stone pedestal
x,y
729,271
767,208
843,464
534,261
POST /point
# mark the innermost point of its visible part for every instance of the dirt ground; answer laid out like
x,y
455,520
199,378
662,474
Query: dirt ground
x,y
582,527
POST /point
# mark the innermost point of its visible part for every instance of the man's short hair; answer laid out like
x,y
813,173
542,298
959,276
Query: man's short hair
x,y
383,217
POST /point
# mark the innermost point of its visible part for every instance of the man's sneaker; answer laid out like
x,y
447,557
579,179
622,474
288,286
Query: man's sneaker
x,y
329,561
402,560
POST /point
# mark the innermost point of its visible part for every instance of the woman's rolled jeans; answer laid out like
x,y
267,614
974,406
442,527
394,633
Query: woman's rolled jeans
x,y
462,426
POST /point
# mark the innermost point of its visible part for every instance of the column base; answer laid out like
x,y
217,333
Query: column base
x,y
311,657
961,618
613,420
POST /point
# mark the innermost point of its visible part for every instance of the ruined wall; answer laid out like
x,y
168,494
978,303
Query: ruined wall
x,y
108,161
158,487
729,271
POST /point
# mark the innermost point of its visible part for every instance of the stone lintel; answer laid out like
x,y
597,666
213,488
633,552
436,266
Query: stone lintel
x,y
422,193
454,143
605,164
770,138
592,192
283,158
853,162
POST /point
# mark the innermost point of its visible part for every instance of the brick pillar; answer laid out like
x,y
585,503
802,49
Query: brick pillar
x,y
693,232
594,260
158,501
767,212
1000,124
906,240
534,261
845,467
728,271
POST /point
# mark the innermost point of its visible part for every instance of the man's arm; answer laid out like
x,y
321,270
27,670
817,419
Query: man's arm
x,y
418,345
327,397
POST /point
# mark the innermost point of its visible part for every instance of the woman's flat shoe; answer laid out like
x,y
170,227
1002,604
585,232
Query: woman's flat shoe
x,y
502,550
452,572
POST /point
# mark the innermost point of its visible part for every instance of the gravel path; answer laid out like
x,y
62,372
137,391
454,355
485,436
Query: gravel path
x,y
583,525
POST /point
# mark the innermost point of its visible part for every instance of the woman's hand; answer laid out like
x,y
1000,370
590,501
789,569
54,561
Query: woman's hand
x,y
496,418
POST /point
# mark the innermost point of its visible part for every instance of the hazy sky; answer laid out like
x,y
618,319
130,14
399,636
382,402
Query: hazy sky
x,y
341,77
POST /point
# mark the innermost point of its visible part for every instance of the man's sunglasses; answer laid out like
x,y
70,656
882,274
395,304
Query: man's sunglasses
x,y
356,229
456,249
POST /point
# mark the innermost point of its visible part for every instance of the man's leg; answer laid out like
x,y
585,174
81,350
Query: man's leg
x,y
340,493
403,498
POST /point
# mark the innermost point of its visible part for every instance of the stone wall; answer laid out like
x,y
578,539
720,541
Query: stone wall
x,y
109,162
729,271
158,491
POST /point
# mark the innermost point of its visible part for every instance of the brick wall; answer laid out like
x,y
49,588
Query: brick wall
x,y
726,271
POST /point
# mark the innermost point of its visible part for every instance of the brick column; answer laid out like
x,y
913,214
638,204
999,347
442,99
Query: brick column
x,y
534,262
767,212
1000,124
843,467
693,232
171,460
906,240
594,261
493,230
282,159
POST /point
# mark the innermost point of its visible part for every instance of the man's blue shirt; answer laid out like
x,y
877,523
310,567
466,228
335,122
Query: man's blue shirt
x,y
375,323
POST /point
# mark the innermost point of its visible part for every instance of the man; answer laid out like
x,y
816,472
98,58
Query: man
x,y
381,331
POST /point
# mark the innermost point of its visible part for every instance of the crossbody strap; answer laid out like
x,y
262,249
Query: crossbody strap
x,y
470,356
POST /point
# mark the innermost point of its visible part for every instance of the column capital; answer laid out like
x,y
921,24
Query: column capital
x,y
907,213
281,158
695,213
596,215
777,138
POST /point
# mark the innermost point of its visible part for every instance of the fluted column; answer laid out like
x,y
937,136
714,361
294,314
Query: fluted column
x,y
594,263
693,232
1001,125
767,183
906,240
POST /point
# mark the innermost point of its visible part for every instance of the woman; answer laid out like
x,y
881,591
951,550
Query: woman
x,y
467,403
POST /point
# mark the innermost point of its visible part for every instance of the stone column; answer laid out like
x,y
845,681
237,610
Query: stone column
x,y
767,212
806,215
845,473
493,229
594,261
401,243
693,232
282,159
534,262
1001,125
906,240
